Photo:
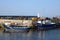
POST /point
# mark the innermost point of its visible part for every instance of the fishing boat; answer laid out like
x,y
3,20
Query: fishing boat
x,y
45,25
15,28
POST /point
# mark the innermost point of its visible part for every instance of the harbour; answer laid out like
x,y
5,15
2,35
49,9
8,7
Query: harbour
x,y
29,19
31,28
26,23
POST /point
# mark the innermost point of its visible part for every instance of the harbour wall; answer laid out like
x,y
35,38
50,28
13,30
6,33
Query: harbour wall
x,y
21,22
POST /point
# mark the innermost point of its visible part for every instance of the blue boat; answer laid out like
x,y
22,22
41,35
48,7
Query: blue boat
x,y
15,28
45,25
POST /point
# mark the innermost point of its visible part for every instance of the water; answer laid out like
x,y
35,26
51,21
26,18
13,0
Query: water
x,y
53,34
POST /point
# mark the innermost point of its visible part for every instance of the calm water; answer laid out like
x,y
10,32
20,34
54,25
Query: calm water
x,y
32,35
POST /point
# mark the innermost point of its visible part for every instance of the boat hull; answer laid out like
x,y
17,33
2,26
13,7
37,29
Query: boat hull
x,y
16,29
45,26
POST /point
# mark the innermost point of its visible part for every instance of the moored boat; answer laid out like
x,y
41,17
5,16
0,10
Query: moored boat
x,y
15,28
45,25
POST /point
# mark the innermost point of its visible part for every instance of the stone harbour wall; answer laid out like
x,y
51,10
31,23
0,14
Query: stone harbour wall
x,y
21,22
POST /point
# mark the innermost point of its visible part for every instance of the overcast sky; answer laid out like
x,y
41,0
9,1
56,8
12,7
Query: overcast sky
x,y
47,8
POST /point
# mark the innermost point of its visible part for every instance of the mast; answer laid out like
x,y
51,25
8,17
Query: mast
x,y
38,15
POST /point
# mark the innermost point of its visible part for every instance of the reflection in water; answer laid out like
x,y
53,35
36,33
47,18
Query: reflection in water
x,y
41,35
32,35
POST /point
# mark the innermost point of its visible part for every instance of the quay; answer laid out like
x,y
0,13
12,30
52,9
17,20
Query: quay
x,y
17,19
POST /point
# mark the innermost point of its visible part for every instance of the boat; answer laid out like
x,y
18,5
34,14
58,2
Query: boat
x,y
15,28
45,25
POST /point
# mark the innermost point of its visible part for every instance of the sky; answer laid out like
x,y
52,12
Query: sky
x,y
47,8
